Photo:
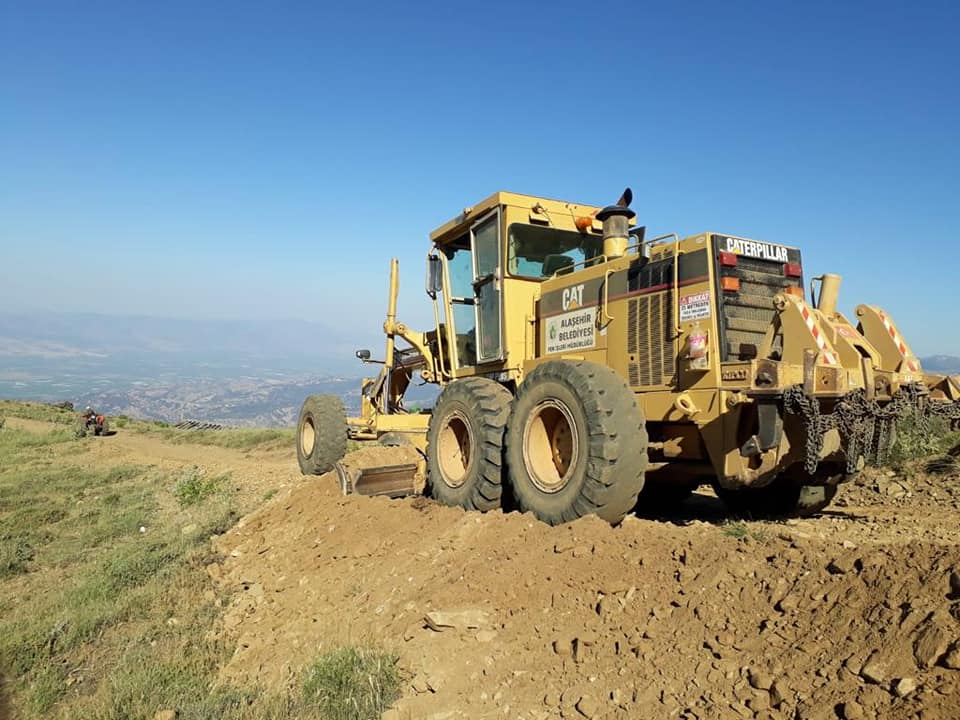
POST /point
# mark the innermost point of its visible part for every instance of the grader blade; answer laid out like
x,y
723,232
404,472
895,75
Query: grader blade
x,y
393,481
393,472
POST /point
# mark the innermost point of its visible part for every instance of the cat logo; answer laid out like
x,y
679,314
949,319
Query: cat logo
x,y
573,297
755,249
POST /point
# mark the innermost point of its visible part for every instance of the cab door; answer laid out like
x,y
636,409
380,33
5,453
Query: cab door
x,y
487,275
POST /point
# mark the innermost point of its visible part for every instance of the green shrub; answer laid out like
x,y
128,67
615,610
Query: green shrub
x,y
352,683
193,486
918,436
15,553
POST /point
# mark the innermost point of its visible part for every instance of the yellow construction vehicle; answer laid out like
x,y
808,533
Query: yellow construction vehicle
x,y
582,365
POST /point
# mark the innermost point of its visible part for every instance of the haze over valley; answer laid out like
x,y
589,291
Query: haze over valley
x,y
241,373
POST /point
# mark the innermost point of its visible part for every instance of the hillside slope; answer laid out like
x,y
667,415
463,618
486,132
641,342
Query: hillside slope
x,y
854,613
692,616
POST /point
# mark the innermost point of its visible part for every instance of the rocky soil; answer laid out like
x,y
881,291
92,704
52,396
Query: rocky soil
x,y
854,613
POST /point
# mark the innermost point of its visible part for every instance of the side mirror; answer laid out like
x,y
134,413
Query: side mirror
x,y
363,355
434,281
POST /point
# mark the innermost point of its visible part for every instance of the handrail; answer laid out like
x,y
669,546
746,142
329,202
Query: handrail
x,y
676,286
606,318
440,340
598,259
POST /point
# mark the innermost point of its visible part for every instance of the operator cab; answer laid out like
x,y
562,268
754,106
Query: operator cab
x,y
503,248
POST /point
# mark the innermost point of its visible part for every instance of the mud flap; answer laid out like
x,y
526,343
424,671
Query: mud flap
x,y
769,432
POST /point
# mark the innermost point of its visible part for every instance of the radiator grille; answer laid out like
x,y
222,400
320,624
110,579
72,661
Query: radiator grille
x,y
748,314
650,339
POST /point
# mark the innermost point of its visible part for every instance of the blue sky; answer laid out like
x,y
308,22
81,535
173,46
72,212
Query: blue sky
x,y
222,160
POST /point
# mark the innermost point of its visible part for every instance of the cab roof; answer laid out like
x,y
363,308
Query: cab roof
x,y
548,210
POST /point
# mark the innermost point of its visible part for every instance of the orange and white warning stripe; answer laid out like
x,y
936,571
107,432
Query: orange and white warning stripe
x,y
828,355
898,341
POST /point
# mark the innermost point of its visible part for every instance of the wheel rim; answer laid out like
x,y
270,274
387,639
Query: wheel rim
x,y
455,445
308,436
551,446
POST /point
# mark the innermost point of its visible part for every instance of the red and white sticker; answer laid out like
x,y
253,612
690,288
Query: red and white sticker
x,y
911,362
828,356
695,306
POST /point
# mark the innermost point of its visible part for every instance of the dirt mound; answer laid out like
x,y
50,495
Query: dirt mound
x,y
851,614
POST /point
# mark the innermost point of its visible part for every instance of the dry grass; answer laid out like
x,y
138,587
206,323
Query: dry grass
x,y
100,619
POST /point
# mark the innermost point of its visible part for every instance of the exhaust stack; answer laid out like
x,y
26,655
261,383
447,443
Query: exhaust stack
x,y
616,227
829,294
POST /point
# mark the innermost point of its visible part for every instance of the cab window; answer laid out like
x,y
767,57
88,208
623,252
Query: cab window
x,y
540,252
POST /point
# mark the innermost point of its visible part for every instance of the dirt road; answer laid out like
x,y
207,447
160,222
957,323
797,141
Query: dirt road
x,y
253,472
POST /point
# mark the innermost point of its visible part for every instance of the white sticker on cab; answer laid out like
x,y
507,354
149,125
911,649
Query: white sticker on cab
x,y
576,330
695,307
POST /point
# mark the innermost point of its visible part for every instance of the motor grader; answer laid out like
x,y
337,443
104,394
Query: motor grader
x,y
582,366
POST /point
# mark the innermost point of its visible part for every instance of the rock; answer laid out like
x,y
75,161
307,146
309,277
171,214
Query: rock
x,y
606,604
587,707
904,686
570,697
851,710
778,694
165,715
931,644
587,638
759,703
467,619
563,648
787,603
486,636
841,566
874,670
955,584
759,679
551,699
952,658
420,685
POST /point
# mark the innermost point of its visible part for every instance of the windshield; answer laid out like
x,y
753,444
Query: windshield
x,y
540,252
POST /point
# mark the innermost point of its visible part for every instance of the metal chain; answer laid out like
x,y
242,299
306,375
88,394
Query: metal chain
x,y
866,428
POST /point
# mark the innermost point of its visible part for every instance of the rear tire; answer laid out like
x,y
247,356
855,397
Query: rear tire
x,y
321,434
465,444
576,443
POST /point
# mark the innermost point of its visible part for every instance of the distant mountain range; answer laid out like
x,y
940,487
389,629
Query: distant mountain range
x,y
944,364
117,341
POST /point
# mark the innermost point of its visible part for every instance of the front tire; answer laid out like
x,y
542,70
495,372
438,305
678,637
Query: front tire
x,y
576,443
321,434
465,444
